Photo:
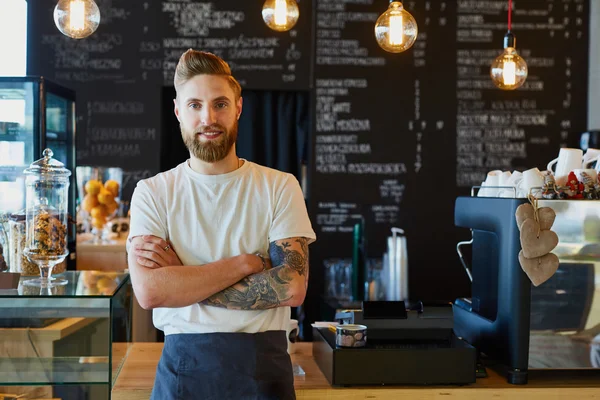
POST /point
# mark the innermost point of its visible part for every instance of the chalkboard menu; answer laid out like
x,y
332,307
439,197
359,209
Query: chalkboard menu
x,y
522,129
118,104
119,71
259,57
398,136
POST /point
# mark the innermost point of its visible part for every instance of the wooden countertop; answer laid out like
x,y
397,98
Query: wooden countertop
x,y
84,244
101,257
137,377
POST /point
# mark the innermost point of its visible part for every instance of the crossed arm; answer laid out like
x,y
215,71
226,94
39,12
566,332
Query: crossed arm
x,y
274,287
160,280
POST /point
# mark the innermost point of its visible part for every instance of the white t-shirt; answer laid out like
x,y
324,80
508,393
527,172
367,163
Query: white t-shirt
x,y
211,217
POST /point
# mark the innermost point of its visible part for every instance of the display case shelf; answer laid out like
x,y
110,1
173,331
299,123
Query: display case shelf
x,y
67,338
55,371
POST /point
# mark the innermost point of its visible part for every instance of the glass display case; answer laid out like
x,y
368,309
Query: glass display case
x,y
65,342
35,114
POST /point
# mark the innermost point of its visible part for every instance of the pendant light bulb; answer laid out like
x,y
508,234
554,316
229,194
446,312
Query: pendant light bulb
x,y
509,69
280,15
77,18
396,29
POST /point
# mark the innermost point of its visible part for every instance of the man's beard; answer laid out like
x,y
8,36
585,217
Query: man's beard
x,y
214,150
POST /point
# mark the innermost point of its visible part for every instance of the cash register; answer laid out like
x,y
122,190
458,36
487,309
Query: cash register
x,y
407,344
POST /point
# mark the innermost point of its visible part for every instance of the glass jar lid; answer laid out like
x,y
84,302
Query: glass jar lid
x,y
47,166
42,206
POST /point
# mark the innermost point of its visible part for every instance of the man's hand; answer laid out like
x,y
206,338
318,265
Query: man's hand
x,y
155,252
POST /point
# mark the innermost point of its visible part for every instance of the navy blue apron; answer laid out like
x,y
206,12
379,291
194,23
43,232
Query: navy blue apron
x,y
224,366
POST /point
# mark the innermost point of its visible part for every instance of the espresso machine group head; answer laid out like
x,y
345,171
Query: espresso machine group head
x,y
495,320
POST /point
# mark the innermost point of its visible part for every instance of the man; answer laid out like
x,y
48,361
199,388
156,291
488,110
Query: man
x,y
199,238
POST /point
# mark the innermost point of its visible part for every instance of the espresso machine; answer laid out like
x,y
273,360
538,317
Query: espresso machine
x,y
496,319
554,326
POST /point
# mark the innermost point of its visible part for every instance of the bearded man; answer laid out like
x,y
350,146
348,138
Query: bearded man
x,y
218,249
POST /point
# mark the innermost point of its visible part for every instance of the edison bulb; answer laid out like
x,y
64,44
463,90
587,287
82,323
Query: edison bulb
x,y
396,29
509,70
280,15
77,18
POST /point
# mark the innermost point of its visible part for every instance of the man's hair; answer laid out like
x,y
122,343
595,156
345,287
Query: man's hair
x,y
194,62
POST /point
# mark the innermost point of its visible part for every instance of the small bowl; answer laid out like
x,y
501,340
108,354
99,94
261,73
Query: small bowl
x,y
350,335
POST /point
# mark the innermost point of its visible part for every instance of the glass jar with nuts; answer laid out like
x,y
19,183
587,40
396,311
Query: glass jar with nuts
x,y
46,216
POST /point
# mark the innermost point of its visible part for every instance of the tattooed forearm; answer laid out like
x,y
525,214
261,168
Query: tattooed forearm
x,y
272,288
255,292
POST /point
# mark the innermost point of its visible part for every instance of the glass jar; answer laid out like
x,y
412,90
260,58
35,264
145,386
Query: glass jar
x,y
46,216
99,190
17,239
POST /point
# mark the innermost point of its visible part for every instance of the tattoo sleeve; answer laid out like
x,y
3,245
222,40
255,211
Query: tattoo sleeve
x,y
271,288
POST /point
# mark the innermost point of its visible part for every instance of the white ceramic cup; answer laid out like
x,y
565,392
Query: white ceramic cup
x,y
532,178
567,161
492,179
588,164
515,181
515,178
482,191
291,334
590,156
591,172
505,178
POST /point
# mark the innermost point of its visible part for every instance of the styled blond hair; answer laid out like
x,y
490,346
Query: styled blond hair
x,y
194,62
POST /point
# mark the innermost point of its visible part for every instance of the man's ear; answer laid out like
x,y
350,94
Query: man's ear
x,y
176,109
239,107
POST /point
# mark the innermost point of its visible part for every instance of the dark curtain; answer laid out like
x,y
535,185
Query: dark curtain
x,y
273,130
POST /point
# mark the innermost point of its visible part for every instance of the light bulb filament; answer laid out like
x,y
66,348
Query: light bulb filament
x,y
396,30
280,12
76,15
509,73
